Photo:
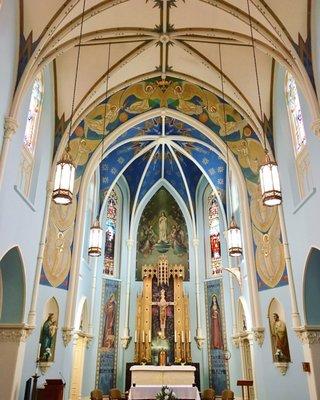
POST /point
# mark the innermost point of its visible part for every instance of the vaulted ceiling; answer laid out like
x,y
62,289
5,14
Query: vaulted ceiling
x,y
176,37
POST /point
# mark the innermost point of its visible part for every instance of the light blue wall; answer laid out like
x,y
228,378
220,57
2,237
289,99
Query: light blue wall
x,y
9,50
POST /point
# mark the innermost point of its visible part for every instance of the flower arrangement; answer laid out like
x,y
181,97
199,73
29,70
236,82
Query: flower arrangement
x,y
166,394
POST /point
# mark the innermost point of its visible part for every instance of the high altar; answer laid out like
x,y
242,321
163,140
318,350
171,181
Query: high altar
x,y
162,322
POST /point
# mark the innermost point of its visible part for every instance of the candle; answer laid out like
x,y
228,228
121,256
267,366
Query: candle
x,y
135,336
182,336
189,336
143,338
175,336
38,355
149,335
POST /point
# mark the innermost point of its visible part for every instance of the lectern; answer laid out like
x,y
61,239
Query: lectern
x,y
53,390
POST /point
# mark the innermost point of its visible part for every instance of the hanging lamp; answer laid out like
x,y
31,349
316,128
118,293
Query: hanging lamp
x,y
65,169
234,239
269,174
96,233
233,232
95,240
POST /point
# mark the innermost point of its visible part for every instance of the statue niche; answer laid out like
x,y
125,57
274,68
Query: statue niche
x,y
162,321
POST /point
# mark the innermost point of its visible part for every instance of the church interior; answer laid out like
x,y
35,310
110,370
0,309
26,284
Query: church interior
x,y
159,174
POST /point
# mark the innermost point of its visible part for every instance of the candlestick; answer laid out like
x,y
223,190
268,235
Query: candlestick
x,y
38,354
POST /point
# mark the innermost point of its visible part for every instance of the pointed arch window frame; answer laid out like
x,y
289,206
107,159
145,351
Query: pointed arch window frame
x,y
210,262
30,138
298,136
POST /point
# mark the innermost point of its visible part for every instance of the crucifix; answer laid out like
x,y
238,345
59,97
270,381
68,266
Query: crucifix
x,y
162,304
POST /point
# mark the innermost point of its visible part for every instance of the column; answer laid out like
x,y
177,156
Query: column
x,y
310,338
125,339
42,245
296,322
199,335
12,347
10,127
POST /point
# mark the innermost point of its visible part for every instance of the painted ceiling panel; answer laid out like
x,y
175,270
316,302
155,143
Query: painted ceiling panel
x,y
153,174
134,173
173,175
210,162
116,161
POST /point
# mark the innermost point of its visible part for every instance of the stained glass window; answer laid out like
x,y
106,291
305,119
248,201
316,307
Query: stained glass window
x,y
111,224
214,234
33,114
295,114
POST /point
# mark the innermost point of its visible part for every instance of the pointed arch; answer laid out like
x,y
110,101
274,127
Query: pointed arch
x,y
13,287
311,288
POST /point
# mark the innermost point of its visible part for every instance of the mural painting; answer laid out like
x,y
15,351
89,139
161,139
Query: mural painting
x,y
218,367
107,351
162,231
203,106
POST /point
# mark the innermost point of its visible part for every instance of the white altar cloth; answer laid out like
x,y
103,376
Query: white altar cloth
x,y
162,375
144,392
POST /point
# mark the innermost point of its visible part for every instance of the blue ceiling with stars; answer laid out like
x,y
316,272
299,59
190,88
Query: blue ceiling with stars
x,y
162,148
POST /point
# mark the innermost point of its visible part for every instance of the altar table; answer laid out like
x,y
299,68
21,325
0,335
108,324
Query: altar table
x,y
144,392
164,375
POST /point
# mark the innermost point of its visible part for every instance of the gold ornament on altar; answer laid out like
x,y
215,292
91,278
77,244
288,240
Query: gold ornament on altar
x,y
169,318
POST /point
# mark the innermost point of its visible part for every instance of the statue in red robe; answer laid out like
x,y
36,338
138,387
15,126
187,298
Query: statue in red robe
x,y
109,324
216,327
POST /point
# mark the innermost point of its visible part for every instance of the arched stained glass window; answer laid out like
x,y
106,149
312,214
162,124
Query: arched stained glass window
x,y
111,226
30,136
30,133
298,136
214,234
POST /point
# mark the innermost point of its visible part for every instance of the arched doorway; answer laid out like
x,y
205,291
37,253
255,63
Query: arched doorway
x,y
12,278
312,288
12,328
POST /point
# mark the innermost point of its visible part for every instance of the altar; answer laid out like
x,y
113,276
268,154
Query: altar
x,y
147,392
162,375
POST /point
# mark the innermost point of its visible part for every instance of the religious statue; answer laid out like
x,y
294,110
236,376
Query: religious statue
x,y
216,327
280,340
48,339
162,304
163,228
109,324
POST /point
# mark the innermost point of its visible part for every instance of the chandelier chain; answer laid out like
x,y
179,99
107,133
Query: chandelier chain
x,y
256,73
225,131
77,72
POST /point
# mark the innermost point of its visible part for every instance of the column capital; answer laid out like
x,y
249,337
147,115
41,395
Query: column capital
x,y
130,243
315,127
308,334
258,335
10,127
195,242
14,332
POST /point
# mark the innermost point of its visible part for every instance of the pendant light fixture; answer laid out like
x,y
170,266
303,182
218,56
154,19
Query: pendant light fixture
x,y
65,169
233,233
96,233
269,174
